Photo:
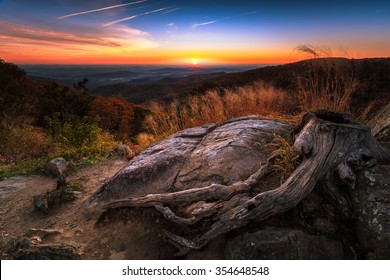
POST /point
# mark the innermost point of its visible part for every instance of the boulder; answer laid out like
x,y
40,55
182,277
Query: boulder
x,y
283,244
194,157
57,167
371,203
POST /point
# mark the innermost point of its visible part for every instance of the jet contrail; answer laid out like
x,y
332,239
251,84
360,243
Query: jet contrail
x,y
101,9
131,17
204,23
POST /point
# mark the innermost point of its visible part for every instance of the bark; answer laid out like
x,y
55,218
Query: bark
x,y
333,146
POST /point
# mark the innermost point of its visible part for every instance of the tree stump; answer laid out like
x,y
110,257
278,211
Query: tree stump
x,y
333,147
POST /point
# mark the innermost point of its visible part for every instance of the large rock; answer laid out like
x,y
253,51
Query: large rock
x,y
194,157
371,202
283,244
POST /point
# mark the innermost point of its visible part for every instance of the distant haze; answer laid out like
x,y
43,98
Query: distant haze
x,y
99,75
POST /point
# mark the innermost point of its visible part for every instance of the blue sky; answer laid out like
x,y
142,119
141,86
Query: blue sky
x,y
146,31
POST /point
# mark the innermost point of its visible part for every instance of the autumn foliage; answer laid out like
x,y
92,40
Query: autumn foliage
x,y
115,114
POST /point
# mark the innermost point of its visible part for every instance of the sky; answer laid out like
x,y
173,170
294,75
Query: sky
x,y
189,32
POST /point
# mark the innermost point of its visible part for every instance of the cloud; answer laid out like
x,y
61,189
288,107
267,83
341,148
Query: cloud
x,y
101,9
171,28
249,13
121,38
204,23
135,16
222,19
170,11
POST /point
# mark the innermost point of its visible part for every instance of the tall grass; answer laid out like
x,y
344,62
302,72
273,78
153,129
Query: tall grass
x,y
328,84
214,107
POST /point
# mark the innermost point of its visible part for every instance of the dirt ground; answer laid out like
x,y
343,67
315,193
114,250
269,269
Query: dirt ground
x,y
130,234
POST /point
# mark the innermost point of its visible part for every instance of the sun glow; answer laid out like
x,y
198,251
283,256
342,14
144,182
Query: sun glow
x,y
195,62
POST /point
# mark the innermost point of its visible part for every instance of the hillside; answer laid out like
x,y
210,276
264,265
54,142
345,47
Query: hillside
x,y
372,74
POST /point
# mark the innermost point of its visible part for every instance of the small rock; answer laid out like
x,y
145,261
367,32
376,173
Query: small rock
x,y
125,151
41,203
57,167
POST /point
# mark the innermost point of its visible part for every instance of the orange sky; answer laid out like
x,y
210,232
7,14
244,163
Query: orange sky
x,y
176,32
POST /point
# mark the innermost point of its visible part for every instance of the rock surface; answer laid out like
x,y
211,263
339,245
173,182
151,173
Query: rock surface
x,y
57,167
371,202
283,244
194,157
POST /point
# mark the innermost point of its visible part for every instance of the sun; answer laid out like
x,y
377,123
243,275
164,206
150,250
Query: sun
x,y
195,62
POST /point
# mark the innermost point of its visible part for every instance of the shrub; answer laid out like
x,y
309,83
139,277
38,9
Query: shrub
x,y
75,131
115,114
22,143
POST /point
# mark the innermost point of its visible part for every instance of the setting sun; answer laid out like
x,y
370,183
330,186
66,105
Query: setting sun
x,y
194,61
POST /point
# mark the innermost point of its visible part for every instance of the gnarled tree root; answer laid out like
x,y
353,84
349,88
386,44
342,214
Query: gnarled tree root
x,y
331,143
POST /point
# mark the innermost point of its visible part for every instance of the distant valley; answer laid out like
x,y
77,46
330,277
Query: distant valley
x,y
101,75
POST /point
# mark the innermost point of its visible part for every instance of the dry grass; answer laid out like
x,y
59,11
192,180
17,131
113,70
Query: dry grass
x,y
328,85
212,107
286,157
23,143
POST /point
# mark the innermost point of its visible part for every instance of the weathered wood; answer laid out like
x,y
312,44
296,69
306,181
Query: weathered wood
x,y
334,148
213,192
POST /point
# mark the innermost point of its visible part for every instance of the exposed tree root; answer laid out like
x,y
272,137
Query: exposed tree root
x,y
334,148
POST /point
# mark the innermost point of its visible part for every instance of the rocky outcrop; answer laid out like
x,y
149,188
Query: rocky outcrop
x,y
341,216
195,157
283,244
371,202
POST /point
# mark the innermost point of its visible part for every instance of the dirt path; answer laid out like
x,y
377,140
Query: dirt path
x,y
91,240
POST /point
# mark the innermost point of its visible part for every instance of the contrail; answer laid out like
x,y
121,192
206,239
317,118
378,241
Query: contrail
x,y
204,23
170,11
131,17
101,9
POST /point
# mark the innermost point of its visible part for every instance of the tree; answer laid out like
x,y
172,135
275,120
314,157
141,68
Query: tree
x,y
82,85
115,114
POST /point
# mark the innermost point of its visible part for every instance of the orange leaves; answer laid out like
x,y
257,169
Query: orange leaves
x,y
115,114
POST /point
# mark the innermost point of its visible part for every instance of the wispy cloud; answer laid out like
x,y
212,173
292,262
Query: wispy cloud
x,y
118,37
222,19
204,23
101,9
171,28
249,13
170,11
18,31
135,16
